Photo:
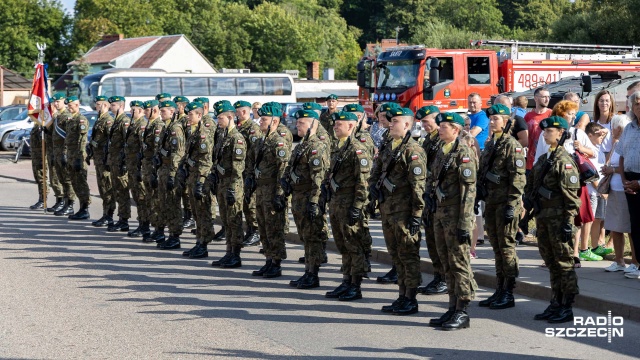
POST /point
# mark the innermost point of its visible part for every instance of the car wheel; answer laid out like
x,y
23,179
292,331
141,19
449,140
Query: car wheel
x,y
4,145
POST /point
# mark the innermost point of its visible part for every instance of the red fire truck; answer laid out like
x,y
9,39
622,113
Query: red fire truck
x,y
415,76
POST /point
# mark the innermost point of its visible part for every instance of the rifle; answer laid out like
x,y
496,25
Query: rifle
x,y
216,157
531,199
123,154
107,145
387,167
250,182
430,204
285,182
157,158
481,184
330,186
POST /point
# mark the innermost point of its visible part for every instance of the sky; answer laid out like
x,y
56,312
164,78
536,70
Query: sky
x,y
68,4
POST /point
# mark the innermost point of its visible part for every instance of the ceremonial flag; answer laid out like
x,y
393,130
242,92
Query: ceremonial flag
x,y
39,106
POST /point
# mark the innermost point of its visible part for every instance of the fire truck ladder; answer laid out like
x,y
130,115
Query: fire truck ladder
x,y
513,44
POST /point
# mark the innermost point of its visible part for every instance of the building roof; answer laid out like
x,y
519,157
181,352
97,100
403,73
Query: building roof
x,y
372,49
114,50
14,81
156,51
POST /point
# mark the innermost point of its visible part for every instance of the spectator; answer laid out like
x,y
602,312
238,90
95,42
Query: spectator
x,y
379,126
479,120
617,219
520,105
254,112
582,118
598,203
629,150
541,97
519,127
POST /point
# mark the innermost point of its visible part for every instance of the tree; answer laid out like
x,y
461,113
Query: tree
x,y
441,35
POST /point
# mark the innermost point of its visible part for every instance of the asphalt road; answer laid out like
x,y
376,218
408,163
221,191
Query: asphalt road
x,y
70,291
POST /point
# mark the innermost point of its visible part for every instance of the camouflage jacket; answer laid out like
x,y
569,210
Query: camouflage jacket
x,y
251,133
275,155
151,137
327,123
200,144
311,167
431,146
59,128
506,179
350,178
133,144
100,136
117,135
172,146
230,156
77,129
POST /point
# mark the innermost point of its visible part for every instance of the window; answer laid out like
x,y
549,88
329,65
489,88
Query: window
x,y
142,86
195,86
222,86
277,86
171,86
478,70
249,86
107,87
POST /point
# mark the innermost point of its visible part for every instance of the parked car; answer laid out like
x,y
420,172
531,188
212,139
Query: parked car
x,y
22,121
11,111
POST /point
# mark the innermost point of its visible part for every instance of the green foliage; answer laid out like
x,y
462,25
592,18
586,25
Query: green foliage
x,y
438,34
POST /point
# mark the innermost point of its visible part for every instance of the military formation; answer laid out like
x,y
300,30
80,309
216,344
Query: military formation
x,y
182,167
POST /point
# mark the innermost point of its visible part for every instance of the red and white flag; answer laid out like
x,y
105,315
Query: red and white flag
x,y
39,106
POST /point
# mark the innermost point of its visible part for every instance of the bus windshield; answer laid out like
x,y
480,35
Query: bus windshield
x,y
397,74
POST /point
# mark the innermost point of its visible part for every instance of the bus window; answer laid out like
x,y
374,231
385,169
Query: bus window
x,y
478,70
222,86
107,87
277,86
171,86
142,86
249,86
192,86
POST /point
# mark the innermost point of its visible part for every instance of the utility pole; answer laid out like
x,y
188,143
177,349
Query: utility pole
x,y
398,28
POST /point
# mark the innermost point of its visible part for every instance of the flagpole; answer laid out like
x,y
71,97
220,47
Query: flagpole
x,y
41,48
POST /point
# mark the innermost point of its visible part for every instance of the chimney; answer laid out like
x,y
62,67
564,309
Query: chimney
x,y
313,70
107,39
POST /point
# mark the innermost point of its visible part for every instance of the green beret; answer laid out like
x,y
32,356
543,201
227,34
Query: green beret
x,y
163,96
151,103
70,99
498,109
399,111
332,97
269,111
451,117
306,114
388,106
58,96
168,103
116,98
344,116
241,103
554,122
202,100
178,99
136,103
224,107
193,105
220,102
274,104
427,110
100,98
353,108
311,106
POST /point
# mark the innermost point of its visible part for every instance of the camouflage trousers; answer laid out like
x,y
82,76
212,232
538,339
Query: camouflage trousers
x,y
455,256
430,237
231,214
250,212
168,209
202,210
365,234
186,202
310,232
139,194
38,167
502,236
270,223
79,183
403,248
349,239
120,186
151,194
557,255
105,188
54,181
65,178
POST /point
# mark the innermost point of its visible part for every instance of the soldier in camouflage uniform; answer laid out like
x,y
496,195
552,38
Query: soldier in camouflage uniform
x,y
559,203
99,140
229,163
188,220
268,161
116,163
133,152
303,178
60,155
54,182
149,139
452,186
171,150
197,163
398,184
345,187
75,143
431,145
326,120
38,165
503,162
251,133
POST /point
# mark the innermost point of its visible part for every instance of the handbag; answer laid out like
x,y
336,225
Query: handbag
x,y
588,172
605,184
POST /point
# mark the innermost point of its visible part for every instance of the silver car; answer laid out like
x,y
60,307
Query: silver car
x,y
20,122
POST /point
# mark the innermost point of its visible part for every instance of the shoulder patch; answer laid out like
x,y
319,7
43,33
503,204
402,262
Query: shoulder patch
x,y
126,124
364,162
568,166
417,170
519,163
466,159
363,139
203,136
414,157
281,153
573,179
283,134
252,132
316,162
466,172
518,150
81,121
358,152
173,133
322,137
280,144
240,142
314,151
207,124
142,127
157,131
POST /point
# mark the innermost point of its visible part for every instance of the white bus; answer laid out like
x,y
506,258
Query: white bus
x,y
145,84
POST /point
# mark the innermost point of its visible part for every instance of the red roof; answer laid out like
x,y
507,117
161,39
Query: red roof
x,y
115,49
156,51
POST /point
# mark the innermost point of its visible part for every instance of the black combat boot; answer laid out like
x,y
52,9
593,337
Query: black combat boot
x,y
552,309
497,294
141,230
188,252
311,281
505,300
121,225
82,214
173,242
220,235
389,278
437,322
436,286
38,205
410,304
460,318
200,252
302,278
274,271
398,302
188,220
566,310
335,293
224,259
157,235
57,206
353,292
194,231
105,220
66,210
234,261
252,238
263,269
